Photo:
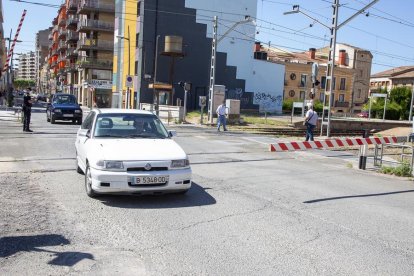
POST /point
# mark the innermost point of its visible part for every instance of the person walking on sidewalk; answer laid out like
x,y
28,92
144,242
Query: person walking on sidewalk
x,y
27,111
311,120
221,116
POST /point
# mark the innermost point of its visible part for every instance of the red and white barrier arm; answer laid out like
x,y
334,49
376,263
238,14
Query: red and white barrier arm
x,y
9,55
336,143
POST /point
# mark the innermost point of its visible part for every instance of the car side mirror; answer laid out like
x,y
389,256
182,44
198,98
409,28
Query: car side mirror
x,y
172,133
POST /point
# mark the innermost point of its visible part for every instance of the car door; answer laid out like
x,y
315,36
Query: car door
x,y
82,138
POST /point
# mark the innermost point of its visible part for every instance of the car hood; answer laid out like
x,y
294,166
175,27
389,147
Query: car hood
x,y
66,106
138,149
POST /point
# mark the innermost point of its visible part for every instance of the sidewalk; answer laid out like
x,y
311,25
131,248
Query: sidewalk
x,y
8,115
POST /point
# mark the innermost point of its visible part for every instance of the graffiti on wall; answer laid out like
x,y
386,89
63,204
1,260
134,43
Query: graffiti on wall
x,y
267,101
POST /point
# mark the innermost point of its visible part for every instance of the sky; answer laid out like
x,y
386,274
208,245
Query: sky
x,y
387,31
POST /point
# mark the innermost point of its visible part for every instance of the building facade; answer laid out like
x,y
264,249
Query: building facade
x,y
395,77
81,51
352,69
42,52
188,25
27,66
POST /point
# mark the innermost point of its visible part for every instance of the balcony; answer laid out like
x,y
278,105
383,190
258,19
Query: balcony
x,y
72,7
61,22
62,33
89,6
87,25
95,63
71,52
72,36
71,68
341,104
62,46
72,23
95,44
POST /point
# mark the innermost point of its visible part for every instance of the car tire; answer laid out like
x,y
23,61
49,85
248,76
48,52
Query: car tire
x,y
88,183
52,119
79,122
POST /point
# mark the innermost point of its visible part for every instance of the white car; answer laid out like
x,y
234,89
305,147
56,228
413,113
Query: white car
x,y
130,151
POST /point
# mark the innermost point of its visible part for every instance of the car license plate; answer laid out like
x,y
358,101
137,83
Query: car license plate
x,y
145,180
67,115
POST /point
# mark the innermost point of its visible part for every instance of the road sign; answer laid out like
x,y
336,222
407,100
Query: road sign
x,y
315,69
129,81
202,101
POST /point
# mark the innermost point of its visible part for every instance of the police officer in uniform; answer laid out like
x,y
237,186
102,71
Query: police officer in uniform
x,y
27,111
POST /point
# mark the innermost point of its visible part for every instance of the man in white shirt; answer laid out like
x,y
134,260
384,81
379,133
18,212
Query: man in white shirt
x,y
311,120
221,116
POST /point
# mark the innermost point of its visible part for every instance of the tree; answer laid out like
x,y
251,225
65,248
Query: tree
x,y
23,84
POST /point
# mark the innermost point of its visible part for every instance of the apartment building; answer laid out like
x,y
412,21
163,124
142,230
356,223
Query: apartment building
x,y
351,75
395,77
3,51
171,41
27,66
81,51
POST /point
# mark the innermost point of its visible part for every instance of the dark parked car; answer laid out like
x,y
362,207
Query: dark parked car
x,y
64,107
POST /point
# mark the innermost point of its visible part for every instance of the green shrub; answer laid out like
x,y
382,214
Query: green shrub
x,y
287,104
401,170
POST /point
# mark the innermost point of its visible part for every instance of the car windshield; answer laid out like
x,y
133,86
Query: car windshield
x,y
64,99
129,126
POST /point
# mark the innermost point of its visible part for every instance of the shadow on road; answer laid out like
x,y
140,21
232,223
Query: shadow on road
x,y
356,196
196,196
12,245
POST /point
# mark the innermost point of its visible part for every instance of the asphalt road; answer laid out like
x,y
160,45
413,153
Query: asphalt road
x,y
250,212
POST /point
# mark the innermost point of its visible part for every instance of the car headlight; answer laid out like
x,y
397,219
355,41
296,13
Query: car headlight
x,y
57,110
110,165
78,111
182,163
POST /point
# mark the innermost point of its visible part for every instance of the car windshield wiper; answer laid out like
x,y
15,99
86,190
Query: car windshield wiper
x,y
107,135
139,136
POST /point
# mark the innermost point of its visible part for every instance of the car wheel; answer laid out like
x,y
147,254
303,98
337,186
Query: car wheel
x,y
88,182
52,119
79,122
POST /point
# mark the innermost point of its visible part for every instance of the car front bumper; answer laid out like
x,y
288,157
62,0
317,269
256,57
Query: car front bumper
x,y
66,117
121,182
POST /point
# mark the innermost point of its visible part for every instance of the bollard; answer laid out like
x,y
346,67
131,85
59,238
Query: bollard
x,y
363,152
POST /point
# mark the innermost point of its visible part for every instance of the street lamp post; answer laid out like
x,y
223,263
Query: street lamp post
x,y
127,100
332,51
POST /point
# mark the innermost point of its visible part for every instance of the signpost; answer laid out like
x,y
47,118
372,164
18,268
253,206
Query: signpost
x,y
378,95
129,83
202,102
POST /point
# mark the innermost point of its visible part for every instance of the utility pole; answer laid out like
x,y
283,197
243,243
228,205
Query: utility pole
x,y
215,42
411,105
212,70
157,96
329,85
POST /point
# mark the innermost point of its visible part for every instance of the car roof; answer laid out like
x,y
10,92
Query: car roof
x,y
122,111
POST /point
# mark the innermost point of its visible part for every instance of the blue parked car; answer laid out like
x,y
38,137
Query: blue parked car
x,y
64,107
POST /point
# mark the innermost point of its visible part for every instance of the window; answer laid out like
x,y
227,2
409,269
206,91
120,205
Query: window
x,y
323,82
87,123
341,98
303,80
334,84
302,95
359,93
342,85
321,96
136,68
